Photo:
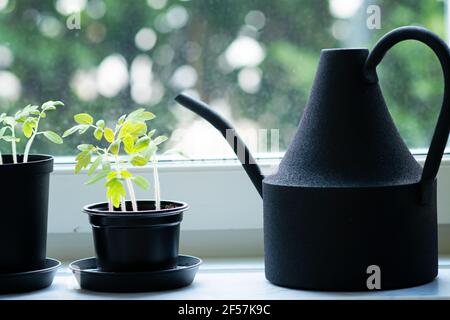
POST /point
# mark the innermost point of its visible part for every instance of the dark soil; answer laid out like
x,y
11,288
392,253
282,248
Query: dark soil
x,y
143,207
169,206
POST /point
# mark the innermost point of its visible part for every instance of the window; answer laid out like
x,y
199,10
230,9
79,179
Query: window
x,y
253,60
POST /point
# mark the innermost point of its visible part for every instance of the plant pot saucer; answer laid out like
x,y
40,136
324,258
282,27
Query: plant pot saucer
x,y
26,281
91,278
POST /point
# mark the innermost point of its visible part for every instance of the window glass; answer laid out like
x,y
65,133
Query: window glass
x,y
253,60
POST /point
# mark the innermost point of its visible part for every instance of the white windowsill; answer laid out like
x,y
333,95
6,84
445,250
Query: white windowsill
x,y
223,279
225,216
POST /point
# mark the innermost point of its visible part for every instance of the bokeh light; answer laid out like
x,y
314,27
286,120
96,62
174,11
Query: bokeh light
x,y
344,9
68,7
244,52
145,39
112,76
10,86
249,80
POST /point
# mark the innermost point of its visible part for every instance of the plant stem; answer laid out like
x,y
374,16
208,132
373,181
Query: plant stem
x,y
13,145
1,158
122,199
27,148
123,205
157,187
31,140
132,194
110,206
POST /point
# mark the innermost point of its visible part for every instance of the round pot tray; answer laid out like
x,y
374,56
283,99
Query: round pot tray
x,y
91,278
27,281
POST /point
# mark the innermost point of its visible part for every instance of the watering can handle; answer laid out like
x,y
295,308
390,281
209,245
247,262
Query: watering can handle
x,y
442,51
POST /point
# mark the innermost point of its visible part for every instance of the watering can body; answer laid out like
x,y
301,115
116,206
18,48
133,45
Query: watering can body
x,y
349,207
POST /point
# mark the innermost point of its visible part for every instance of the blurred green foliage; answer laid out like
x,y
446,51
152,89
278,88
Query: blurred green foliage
x,y
293,34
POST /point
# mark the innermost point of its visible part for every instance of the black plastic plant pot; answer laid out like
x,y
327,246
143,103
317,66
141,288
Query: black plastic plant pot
x,y
24,210
136,241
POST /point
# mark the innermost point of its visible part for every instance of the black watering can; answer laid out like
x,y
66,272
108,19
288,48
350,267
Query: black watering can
x,y
349,201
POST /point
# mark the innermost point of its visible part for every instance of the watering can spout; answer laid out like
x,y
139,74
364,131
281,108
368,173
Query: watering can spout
x,y
229,133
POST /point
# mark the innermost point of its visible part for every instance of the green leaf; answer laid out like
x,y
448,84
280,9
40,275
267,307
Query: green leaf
x,y
27,128
70,131
115,200
128,143
94,166
125,174
22,115
150,134
84,129
141,144
49,108
109,135
141,115
115,147
122,119
141,182
10,121
98,134
100,123
19,114
115,191
135,114
83,118
99,176
132,128
29,109
147,116
10,139
138,161
85,147
83,159
81,128
112,175
160,140
53,137
51,105
111,183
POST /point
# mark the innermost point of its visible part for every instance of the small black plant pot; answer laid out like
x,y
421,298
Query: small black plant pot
x,y
24,209
136,241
